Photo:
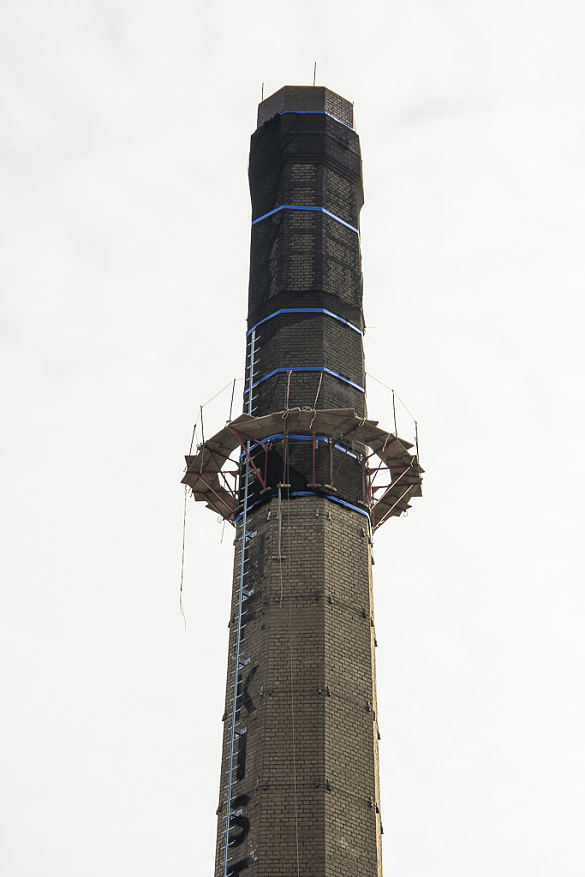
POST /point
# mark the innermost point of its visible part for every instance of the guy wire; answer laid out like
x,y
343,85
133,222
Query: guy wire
x,y
232,399
201,407
193,436
378,381
219,392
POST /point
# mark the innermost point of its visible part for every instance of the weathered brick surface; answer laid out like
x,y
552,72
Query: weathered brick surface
x,y
311,757
305,765
304,97
292,341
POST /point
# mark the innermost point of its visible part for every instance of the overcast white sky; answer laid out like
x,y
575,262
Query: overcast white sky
x,y
124,235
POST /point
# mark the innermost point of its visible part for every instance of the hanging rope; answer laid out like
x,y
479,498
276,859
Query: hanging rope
x,y
318,391
183,560
198,420
314,408
280,558
292,687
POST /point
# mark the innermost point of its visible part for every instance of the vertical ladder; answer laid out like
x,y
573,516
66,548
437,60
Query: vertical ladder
x,y
237,658
251,371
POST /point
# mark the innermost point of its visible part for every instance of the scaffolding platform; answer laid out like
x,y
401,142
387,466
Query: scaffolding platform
x,y
212,473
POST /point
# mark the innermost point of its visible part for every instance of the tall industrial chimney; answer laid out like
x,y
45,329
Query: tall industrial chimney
x,y
311,479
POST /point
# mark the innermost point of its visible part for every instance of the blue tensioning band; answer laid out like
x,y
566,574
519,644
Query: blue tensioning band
x,y
306,311
311,368
301,438
314,209
347,505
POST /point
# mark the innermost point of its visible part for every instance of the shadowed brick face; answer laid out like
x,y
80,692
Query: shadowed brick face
x,y
299,794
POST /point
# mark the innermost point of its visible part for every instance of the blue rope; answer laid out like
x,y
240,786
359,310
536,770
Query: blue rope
x,y
297,207
306,311
312,368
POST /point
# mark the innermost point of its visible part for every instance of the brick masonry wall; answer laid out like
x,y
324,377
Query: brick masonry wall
x,y
271,394
305,161
305,754
292,97
303,252
308,340
312,738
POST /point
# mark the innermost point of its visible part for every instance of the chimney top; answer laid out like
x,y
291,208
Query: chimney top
x,y
306,99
